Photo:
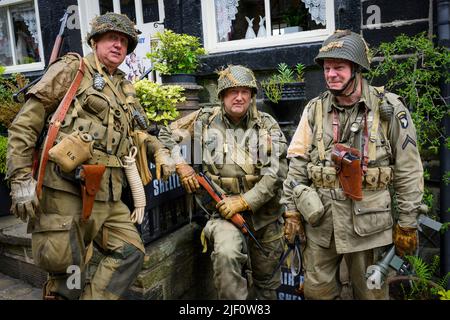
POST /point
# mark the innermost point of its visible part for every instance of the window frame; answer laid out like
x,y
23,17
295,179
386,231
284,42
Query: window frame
x,y
213,46
29,67
89,9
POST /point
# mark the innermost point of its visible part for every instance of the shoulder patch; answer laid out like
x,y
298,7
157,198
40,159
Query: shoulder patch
x,y
403,118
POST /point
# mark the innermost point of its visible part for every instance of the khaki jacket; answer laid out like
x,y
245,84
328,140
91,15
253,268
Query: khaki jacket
x,y
358,225
248,158
103,114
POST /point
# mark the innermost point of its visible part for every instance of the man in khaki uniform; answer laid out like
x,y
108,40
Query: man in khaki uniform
x,y
338,223
102,113
243,152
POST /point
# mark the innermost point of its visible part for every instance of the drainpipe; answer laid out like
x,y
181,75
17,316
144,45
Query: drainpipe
x,y
443,32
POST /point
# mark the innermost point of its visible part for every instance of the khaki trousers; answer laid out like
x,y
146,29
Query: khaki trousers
x,y
60,242
322,272
232,259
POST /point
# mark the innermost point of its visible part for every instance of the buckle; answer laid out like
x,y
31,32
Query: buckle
x,y
333,194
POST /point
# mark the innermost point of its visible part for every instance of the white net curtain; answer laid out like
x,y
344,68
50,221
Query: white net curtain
x,y
316,9
226,11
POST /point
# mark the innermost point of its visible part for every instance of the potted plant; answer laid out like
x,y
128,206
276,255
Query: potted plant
x,y
284,91
176,54
295,19
159,101
176,57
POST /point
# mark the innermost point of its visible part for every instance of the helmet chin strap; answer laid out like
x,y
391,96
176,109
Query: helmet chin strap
x,y
340,92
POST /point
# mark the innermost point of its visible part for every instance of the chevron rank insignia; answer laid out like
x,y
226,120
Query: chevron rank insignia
x,y
403,119
408,140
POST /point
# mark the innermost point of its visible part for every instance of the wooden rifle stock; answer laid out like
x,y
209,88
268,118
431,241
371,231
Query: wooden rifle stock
x,y
236,219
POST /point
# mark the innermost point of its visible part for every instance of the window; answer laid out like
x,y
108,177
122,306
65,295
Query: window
x,y
243,24
20,39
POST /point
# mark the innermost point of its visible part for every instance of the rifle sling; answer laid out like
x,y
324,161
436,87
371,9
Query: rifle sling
x,y
55,122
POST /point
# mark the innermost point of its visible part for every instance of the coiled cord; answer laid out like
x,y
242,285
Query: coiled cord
x,y
137,188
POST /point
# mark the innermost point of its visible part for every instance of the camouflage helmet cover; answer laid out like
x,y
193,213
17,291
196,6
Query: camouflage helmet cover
x,y
111,21
345,44
236,76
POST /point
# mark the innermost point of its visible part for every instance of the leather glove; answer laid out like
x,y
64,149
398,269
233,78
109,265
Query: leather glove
x,y
231,205
293,226
405,240
187,176
164,163
25,202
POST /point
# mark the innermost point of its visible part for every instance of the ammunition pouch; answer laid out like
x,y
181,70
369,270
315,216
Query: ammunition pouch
x,y
235,185
309,204
347,162
72,151
90,177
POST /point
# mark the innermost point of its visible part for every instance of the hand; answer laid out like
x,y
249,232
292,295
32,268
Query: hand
x,y
25,202
187,176
164,162
293,226
405,240
231,205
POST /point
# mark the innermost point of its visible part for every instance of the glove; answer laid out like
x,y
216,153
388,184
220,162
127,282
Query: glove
x,y
293,226
231,205
25,202
187,176
164,163
405,240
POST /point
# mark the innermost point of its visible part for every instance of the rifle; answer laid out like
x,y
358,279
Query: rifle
x,y
54,55
237,218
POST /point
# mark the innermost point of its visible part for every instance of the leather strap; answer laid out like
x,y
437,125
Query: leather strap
x,y
55,122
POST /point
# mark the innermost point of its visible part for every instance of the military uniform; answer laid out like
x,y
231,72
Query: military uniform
x,y
343,227
59,237
248,159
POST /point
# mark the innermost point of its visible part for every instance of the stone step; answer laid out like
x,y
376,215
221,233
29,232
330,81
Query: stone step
x,y
15,289
174,267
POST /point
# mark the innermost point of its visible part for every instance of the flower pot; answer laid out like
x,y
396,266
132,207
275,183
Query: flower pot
x,y
400,288
181,78
289,108
191,91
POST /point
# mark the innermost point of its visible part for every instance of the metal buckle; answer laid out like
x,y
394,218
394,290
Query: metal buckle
x,y
333,194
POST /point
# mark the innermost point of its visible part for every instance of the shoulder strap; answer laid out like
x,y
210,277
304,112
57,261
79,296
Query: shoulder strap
x,y
319,124
372,152
55,122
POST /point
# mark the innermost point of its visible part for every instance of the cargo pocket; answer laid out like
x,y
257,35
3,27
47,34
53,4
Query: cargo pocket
x,y
56,243
96,102
372,214
309,204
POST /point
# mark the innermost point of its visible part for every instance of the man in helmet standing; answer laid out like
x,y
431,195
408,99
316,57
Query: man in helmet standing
x,y
243,152
76,204
352,143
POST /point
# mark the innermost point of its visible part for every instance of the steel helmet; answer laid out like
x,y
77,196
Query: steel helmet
x,y
236,76
111,21
345,44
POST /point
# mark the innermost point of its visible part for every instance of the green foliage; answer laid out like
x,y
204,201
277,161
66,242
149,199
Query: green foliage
x,y
8,107
159,101
425,284
444,295
416,78
175,53
274,85
3,145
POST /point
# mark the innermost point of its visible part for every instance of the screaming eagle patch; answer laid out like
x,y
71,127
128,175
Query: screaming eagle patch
x,y
403,119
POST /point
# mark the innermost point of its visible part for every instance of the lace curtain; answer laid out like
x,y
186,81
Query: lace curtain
x,y
26,14
226,11
317,10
